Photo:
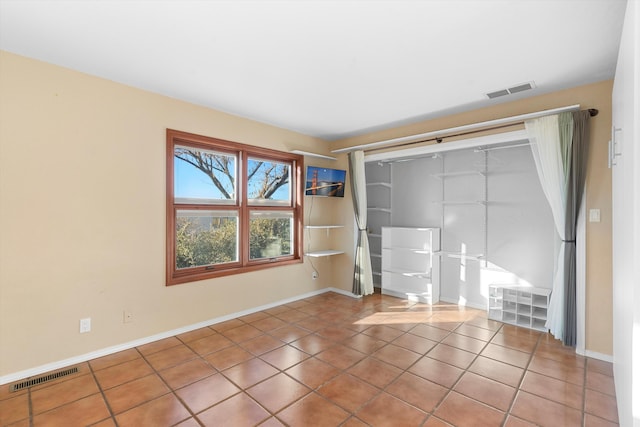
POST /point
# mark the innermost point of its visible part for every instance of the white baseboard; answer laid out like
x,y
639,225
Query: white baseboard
x,y
596,355
38,370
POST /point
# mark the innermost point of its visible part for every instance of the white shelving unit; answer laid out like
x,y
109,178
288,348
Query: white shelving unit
x,y
518,305
379,189
409,268
325,252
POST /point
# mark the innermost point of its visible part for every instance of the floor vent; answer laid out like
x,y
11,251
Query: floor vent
x,y
510,90
42,379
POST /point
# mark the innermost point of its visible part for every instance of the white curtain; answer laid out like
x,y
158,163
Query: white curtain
x,y
362,273
546,138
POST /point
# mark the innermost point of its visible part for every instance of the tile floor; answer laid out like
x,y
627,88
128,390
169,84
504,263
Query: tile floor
x,y
331,360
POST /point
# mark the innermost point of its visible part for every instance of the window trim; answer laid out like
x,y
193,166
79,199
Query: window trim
x,y
176,276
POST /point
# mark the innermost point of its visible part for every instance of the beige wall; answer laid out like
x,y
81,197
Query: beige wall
x,y
82,213
82,216
598,281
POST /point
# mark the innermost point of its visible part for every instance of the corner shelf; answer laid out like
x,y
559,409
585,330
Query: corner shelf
x,y
326,252
319,254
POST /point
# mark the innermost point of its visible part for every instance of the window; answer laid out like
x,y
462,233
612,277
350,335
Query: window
x,y
231,207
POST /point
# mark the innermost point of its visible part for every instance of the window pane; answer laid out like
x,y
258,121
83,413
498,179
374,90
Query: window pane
x,y
203,176
270,234
206,237
268,182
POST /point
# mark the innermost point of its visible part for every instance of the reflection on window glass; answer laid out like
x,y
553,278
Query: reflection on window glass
x,y
203,176
268,182
270,234
206,237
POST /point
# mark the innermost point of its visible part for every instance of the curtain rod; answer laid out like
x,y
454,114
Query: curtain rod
x,y
438,135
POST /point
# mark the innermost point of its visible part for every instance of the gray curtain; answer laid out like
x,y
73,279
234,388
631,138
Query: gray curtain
x,y
576,179
362,272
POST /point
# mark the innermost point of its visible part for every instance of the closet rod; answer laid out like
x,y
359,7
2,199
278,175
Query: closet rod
x,y
439,135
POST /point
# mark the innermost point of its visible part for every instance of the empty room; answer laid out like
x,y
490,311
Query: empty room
x,y
319,213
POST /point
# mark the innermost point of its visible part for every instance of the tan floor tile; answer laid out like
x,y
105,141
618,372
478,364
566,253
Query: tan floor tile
x,y
600,366
601,405
207,392
315,411
550,388
190,422
386,410
600,382
382,332
287,391
397,356
312,372
485,390
414,343
507,355
313,344
114,359
429,332
83,412
134,393
464,343
289,333
436,371
484,323
242,333
517,422
375,372
163,411
462,411
524,343
312,324
62,393
348,392
240,410
476,332
292,316
209,344
364,343
341,357
354,422
434,421
269,324
558,370
593,421
14,409
545,412
556,351
228,357
124,372
284,357
417,391
451,355
170,357
336,333
250,372
261,344
187,373
497,371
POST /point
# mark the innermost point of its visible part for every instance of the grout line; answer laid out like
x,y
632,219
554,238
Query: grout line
x,y
104,397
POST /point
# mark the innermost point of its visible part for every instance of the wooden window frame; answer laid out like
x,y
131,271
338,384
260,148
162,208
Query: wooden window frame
x,y
176,276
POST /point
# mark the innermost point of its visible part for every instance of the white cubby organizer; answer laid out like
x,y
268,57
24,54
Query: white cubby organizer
x,y
519,305
409,268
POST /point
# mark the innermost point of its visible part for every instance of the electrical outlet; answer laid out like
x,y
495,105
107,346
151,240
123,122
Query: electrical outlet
x,y
127,316
314,275
85,325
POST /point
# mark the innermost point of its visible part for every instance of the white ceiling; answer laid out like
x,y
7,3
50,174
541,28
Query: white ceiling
x,y
330,69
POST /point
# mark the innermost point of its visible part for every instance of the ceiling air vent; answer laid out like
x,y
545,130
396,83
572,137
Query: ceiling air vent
x,y
510,90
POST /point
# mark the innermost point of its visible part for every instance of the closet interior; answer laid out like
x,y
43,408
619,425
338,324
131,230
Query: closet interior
x,y
495,229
